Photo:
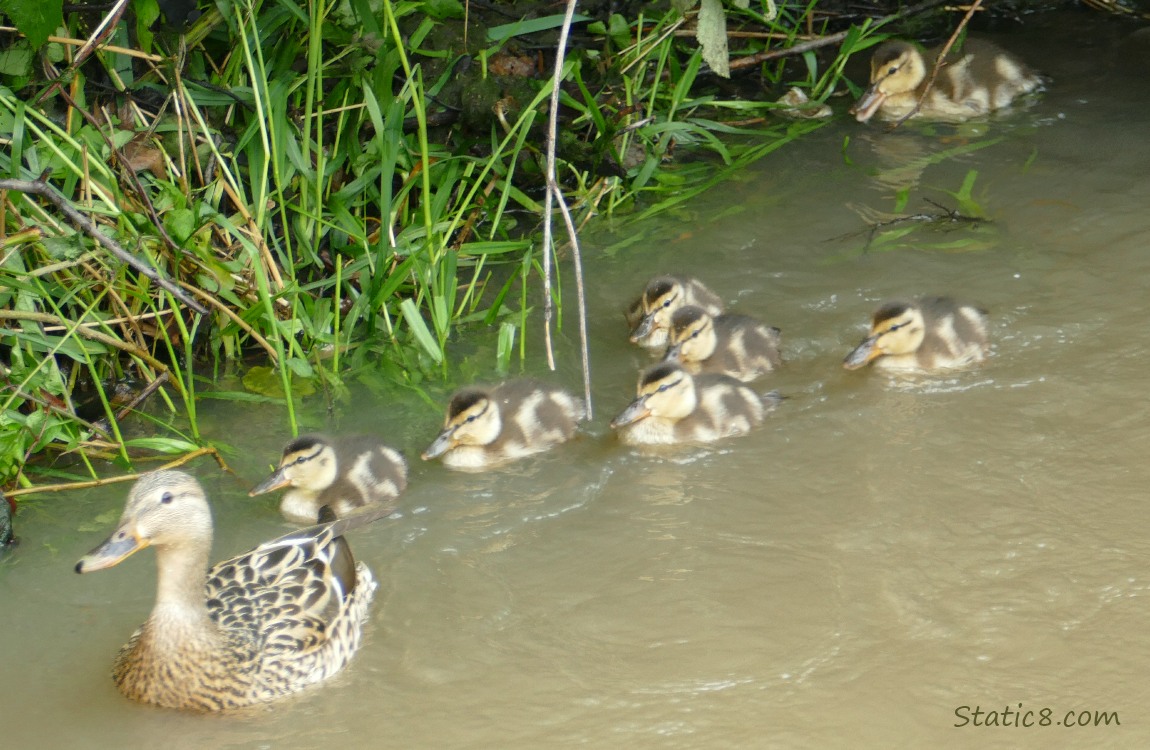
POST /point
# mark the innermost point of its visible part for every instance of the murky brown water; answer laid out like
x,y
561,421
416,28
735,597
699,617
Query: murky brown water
x,y
879,555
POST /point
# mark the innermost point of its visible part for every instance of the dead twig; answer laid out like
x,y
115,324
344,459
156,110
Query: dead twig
x,y
40,187
66,486
84,332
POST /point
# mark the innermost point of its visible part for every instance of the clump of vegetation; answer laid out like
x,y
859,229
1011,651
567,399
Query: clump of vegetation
x,y
337,185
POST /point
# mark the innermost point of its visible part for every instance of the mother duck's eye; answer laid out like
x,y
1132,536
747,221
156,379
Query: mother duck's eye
x,y
166,498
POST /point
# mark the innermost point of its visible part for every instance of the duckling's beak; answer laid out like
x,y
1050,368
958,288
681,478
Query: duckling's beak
x,y
863,354
868,104
633,413
443,443
646,325
115,549
277,480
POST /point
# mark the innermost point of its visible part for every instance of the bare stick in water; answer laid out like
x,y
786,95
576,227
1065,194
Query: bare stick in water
x,y
553,192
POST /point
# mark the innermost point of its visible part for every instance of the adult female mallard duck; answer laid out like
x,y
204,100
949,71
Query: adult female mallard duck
x,y
928,334
734,345
342,474
488,426
650,315
674,406
979,79
263,624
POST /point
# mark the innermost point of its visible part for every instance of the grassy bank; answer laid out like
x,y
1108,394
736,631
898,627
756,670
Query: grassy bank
x,y
339,186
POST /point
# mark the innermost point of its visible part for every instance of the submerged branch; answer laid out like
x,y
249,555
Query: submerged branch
x,y
944,214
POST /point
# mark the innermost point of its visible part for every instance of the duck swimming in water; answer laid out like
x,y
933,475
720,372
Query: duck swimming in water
x,y
673,406
341,473
979,79
488,426
254,628
734,345
929,334
650,315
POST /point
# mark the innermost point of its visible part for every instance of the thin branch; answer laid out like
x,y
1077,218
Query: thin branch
x,y
71,42
43,189
938,63
64,487
235,318
102,32
555,194
146,391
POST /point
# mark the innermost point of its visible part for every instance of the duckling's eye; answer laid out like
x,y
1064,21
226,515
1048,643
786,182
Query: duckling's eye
x,y
166,498
471,419
893,70
695,333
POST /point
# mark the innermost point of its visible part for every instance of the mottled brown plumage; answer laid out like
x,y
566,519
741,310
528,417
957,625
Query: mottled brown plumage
x,y
261,625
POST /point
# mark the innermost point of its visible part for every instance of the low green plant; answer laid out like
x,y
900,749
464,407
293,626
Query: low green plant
x,y
289,164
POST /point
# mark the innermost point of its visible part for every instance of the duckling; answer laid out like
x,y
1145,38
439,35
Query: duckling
x,y
928,334
261,625
674,406
342,474
979,79
487,426
650,315
734,345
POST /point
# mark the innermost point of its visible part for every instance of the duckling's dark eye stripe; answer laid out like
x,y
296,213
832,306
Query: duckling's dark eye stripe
x,y
665,386
308,457
477,414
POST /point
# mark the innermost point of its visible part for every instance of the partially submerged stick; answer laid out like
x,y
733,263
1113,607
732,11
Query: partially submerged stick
x,y
555,194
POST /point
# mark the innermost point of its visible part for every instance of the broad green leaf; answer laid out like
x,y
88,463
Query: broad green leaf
x,y
16,61
180,223
36,19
